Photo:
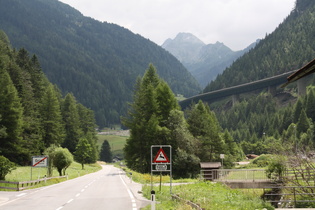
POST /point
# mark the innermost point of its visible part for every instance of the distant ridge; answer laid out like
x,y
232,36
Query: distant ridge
x,y
98,62
290,46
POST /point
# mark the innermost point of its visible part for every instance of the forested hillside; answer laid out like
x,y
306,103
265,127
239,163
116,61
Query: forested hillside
x,y
266,123
289,47
98,62
33,114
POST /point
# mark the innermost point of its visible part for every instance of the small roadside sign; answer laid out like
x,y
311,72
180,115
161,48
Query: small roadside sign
x,y
39,161
161,157
161,167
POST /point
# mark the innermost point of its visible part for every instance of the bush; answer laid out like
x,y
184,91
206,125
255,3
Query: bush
x,y
262,160
62,160
6,166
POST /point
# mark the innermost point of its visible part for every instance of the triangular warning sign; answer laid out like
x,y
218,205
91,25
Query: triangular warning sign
x,y
161,157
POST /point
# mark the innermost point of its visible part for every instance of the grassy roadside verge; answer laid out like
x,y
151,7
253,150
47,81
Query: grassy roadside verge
x,y
27,174
208,195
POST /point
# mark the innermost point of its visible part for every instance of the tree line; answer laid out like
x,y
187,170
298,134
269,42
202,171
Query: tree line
x,y
155,118
34,115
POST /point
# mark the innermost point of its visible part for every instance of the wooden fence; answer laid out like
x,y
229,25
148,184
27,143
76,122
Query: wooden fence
x,y
18,186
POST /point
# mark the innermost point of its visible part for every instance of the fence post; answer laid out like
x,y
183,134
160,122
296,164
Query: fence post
x,y
294,197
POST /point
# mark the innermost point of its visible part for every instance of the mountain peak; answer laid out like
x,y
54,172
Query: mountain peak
x,y
188,37
184,46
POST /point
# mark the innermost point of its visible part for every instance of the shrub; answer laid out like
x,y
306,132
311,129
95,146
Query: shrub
x,y
262,160
62,160
6,166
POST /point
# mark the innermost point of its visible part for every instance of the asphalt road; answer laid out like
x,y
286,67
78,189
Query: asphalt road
x,y
108,188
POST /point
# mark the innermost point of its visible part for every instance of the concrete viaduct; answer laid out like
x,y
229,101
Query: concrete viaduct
x,y
271,83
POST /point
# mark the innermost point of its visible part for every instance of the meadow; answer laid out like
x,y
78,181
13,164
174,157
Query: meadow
x,y
116,143
28,173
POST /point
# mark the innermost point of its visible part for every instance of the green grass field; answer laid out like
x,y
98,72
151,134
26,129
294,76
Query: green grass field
x,y
27,173
116,143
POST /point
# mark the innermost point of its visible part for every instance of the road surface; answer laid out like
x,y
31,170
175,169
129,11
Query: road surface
x,y
108,188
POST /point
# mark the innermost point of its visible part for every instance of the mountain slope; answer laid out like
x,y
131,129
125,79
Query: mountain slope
x,y
204,62
289,47
98,62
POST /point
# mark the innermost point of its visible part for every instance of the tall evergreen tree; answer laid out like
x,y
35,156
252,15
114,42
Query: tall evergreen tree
x,y
83,152
310,104
71,120
12,112
106,153
303,124
53,130
204,126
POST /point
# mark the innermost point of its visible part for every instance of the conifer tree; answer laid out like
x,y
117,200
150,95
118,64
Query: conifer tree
x,y
303,123
53,130
106,154
310,104
71,121
83,152
12,112
204,126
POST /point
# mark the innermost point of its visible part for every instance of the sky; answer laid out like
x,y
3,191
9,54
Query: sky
x,y
236,23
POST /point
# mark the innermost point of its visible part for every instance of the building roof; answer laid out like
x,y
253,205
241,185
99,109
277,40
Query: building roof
x,y
302,72
210,164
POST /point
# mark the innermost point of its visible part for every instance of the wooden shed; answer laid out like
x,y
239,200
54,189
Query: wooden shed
x,y
209,170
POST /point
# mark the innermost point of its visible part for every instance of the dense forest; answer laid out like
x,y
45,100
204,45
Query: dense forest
x,y
33,113
289,47
155,118
262,122
97,61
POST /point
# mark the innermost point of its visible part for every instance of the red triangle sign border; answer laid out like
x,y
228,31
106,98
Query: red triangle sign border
x,y
158,156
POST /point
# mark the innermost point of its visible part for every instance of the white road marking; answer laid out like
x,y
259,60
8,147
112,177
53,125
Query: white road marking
x,y
69,201
133,201
19,195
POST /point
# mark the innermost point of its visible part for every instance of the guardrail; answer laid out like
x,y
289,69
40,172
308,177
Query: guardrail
x,y
26,184
242,175
289,196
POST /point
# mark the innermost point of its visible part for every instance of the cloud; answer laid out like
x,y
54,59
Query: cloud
x,y
236,23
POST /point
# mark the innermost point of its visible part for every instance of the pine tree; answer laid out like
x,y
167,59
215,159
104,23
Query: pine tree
x,y
310,104
12,112
106,153
53,130
303,123
204,126
83,152
146,119
71,121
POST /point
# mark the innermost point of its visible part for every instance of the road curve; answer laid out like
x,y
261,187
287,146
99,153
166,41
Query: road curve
x,y
108,188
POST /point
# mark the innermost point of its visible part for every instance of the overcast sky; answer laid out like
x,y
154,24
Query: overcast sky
x,y
236,23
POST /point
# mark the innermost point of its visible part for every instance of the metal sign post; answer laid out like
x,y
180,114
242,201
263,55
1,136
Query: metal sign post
x,y
161,161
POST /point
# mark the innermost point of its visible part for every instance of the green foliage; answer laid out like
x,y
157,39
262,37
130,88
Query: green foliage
x,y
6,166
33,114
203,125
83,152
98,61
278,52
208,195
154,119
106,153
71,120
276,167
11,111
263,160
50,151
62,160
